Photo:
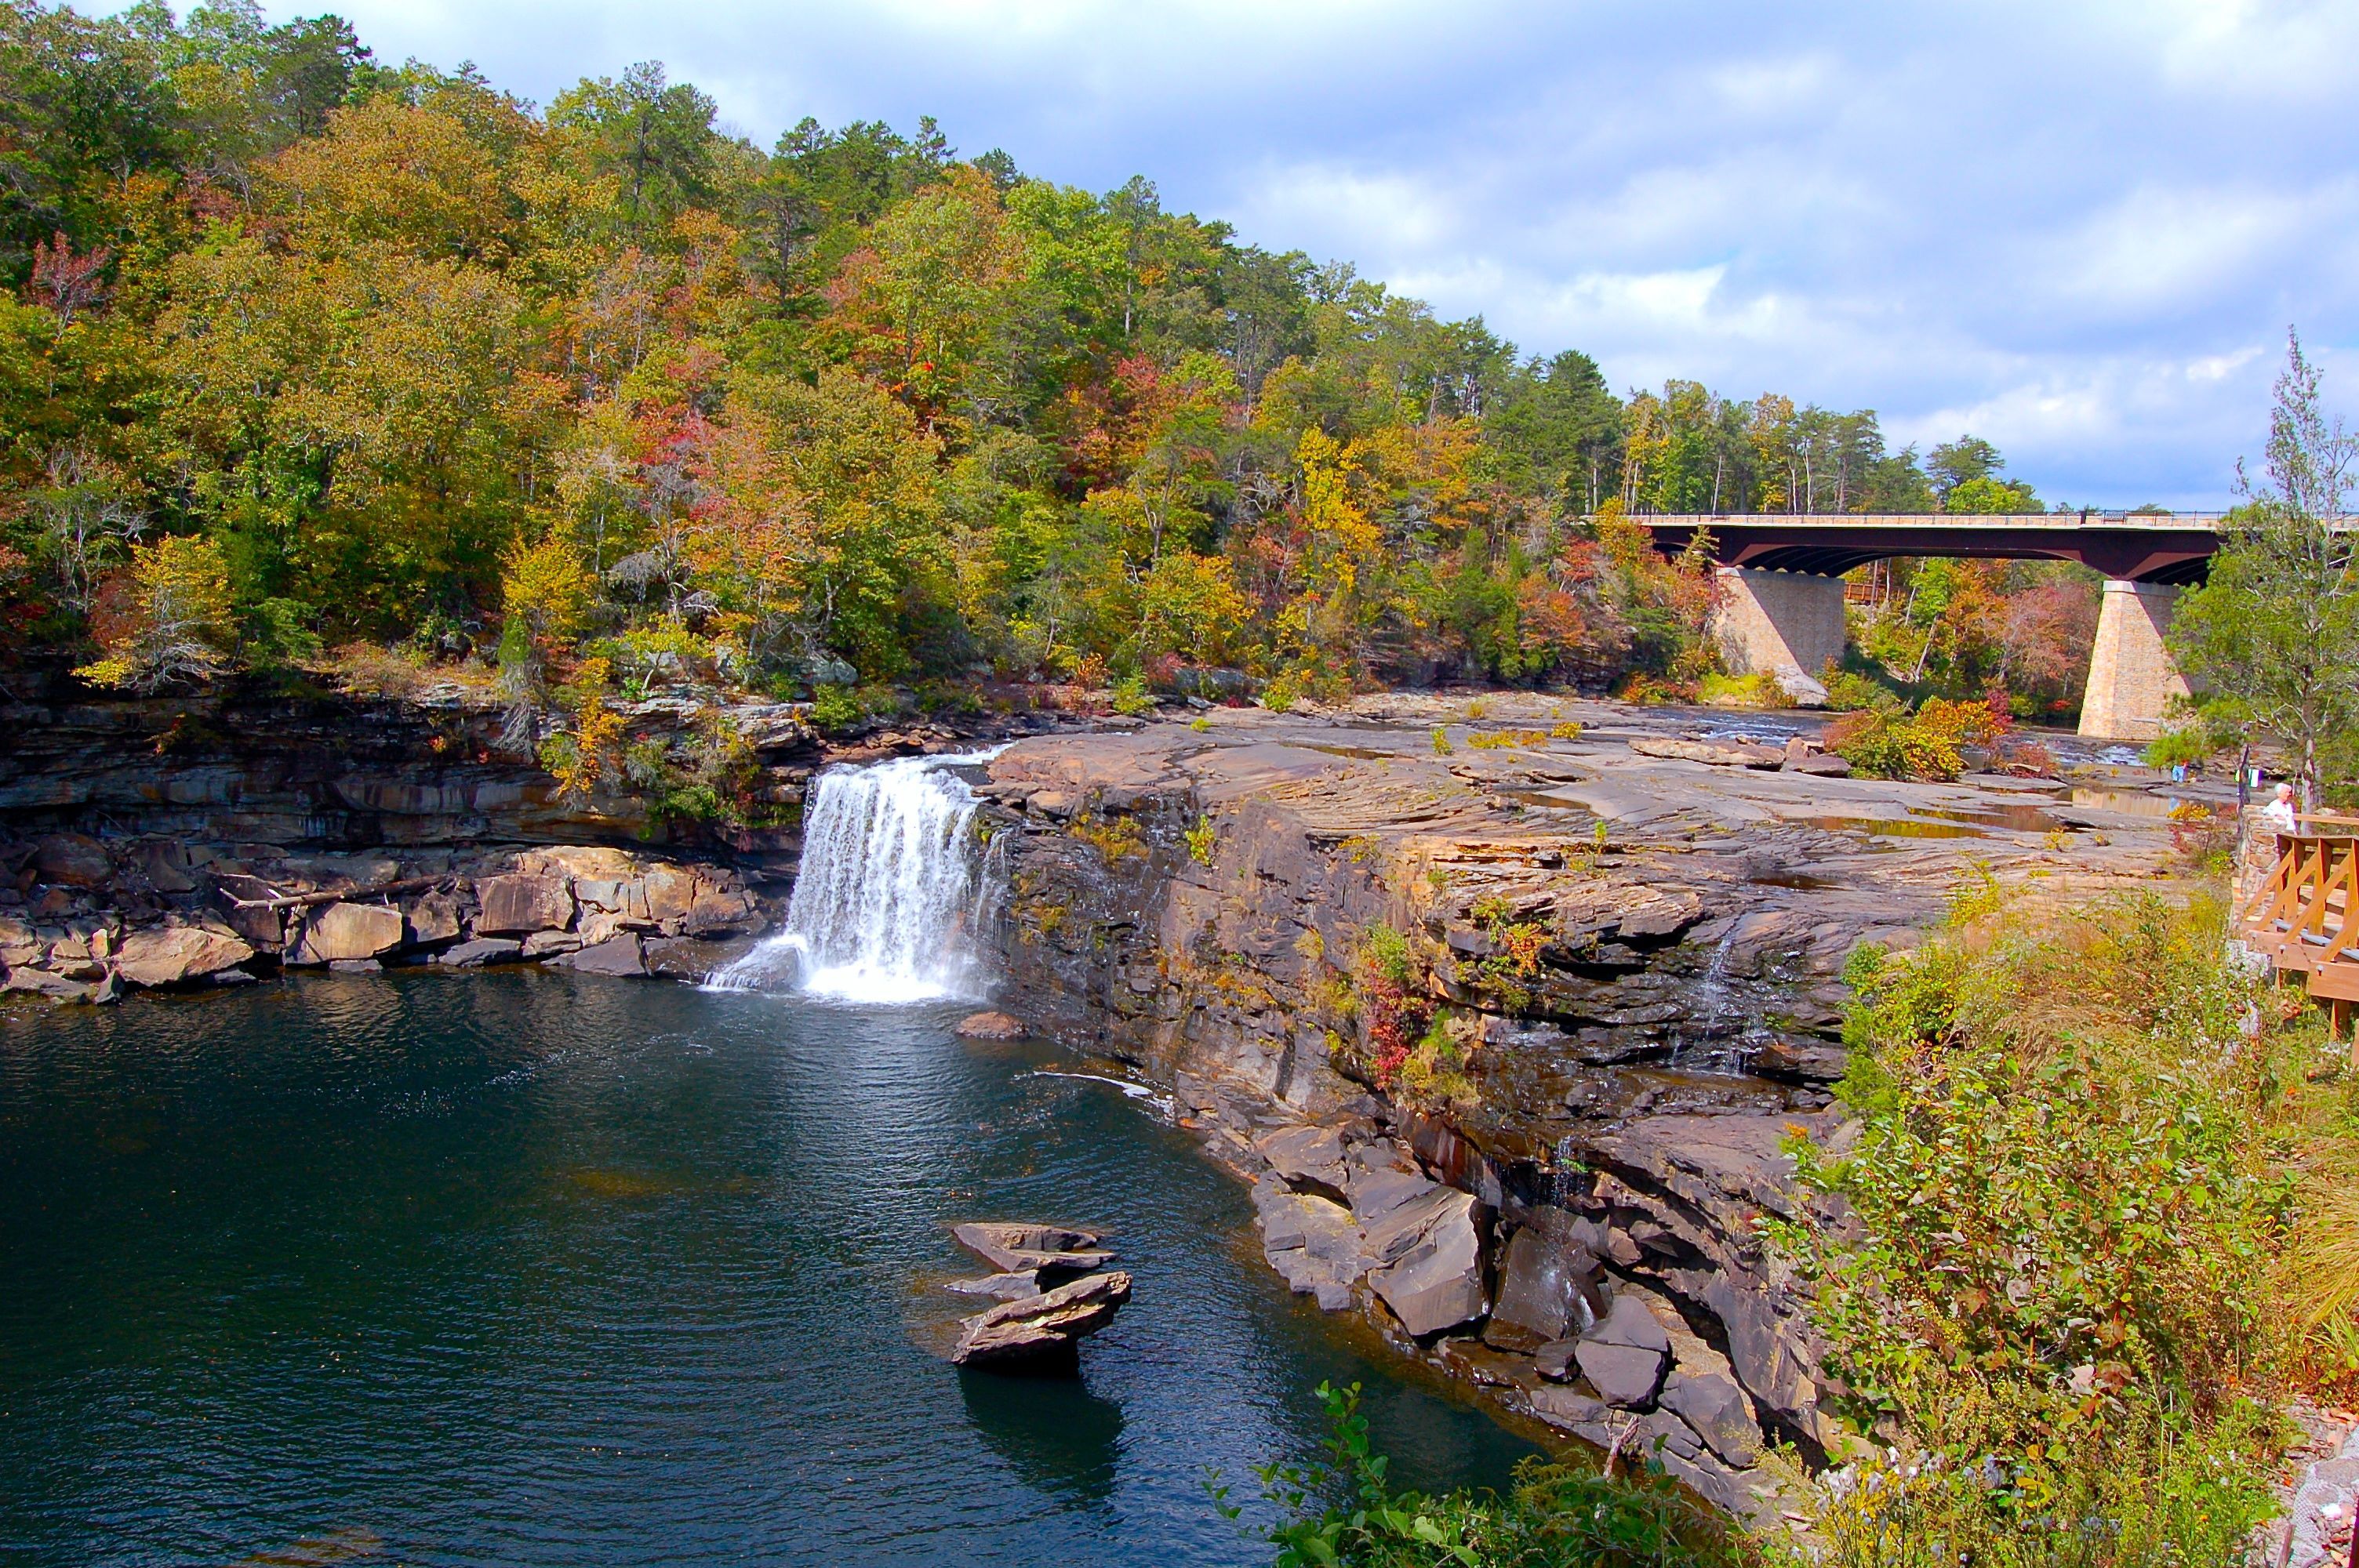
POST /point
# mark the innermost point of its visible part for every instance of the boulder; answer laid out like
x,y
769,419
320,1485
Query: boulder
x,y
337,931
1554,1360
1623,1375
1050,1248
71,860
1041,1333
1437,1283
1311,1241
1715,753
991,1026
1568,1408
1379,1190
40,982
617,956
1827,767
175,954
1392,1236
481,951
1548,1289
522,903
431,917
1308,1159
1720,1413
550,943
1479,1364
1631,1322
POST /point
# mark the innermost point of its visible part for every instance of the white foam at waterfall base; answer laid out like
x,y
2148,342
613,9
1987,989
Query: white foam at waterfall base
x,y
889,892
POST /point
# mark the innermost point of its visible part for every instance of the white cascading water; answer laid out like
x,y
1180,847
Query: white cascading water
x,y
888,893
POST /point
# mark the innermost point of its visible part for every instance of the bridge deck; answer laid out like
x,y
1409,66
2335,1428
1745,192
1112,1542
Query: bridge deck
x,y
2161,548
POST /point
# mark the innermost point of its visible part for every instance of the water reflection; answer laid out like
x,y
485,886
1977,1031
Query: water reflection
x,y
1054,1433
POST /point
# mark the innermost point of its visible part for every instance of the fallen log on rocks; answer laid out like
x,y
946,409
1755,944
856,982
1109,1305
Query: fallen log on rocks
x,y
1041,1333
305,900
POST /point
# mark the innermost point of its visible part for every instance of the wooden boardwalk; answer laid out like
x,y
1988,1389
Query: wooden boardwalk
x,y
2301,919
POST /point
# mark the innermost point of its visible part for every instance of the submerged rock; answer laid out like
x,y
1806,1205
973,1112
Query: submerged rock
x,y
991,1026
1041,1333
1012,1287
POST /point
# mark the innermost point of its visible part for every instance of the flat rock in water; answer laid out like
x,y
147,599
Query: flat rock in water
x,y
1050,1249
1717,753
481,951
617,956
1042,1332
1007,1287
991,1026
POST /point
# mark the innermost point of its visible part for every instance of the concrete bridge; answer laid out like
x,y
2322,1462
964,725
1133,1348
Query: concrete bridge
x,y
1782,610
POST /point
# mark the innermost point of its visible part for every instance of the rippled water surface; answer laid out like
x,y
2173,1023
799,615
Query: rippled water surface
x,y
524,1268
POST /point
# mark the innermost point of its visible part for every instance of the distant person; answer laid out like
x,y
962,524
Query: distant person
x,y
2279,813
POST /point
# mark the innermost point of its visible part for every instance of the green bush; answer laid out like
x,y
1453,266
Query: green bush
x,y
1130,695
2174,748
835,709
1341,1512
2052,1295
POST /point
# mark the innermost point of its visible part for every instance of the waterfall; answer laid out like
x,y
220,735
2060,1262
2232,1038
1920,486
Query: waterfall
x,y
888,893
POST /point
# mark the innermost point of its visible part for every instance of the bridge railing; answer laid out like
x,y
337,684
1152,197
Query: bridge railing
x,y
2301,917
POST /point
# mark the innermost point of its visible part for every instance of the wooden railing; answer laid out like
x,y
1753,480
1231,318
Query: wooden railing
x,y
2301,919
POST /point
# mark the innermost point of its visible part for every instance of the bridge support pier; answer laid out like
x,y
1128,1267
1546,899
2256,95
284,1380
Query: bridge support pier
x,y
1787,624
2132,677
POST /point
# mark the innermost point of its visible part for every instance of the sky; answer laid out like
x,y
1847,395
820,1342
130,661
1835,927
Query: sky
x,y
2078,229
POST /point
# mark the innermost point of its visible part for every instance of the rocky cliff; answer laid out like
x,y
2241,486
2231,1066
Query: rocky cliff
x,y
1509,1037
178,841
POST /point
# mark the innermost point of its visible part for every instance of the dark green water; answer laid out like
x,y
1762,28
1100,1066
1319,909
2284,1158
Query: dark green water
x,y
527,1269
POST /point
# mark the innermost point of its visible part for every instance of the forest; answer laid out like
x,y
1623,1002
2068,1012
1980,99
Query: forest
x,y
308,361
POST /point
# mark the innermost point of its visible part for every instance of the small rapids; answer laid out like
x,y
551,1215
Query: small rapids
x,y
890,890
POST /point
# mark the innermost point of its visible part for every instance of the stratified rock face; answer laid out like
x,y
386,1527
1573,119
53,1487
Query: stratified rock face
x,y
177,954
1041,1332
1720,1413
516,905
345,932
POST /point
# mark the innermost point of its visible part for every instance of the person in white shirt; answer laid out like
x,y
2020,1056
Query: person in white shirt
x,y
2279,813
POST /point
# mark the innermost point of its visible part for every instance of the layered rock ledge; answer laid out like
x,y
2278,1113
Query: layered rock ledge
x,y
1630,941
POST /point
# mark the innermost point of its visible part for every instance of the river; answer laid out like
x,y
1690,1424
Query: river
x,y
520,1267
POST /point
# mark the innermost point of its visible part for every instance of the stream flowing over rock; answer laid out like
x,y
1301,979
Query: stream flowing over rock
x,y
888,889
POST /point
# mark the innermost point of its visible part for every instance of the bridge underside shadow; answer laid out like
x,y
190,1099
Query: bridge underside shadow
x,y
1789,625
1782,608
